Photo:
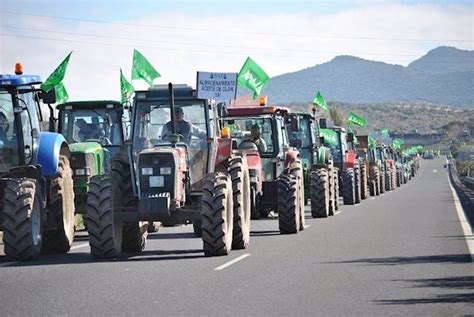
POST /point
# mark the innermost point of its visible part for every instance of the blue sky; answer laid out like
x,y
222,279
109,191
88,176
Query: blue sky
x,y
182,37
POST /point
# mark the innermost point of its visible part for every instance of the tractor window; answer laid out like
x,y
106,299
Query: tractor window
x,y
8,141
301,138
253,130
80,125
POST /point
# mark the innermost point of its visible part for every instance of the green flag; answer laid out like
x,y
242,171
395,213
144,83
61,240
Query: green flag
x,y
397,143
330,137
385,133
57,76
61,93
253,77
355,119
142,68
320,102
126,88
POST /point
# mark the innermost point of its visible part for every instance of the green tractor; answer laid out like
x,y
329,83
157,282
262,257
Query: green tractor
x,y
320,175
95,132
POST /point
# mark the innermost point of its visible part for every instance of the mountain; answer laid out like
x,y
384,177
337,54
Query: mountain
x,y
445,75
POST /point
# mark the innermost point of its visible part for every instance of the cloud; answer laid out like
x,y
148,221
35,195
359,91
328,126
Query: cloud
x,y
186,43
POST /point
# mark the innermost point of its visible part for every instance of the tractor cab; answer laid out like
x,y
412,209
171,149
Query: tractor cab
x,y
96,133
36,194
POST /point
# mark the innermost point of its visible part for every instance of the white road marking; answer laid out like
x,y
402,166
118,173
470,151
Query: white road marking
x,y
372,198
78,246
227,264
435,171
337,212
8,263
307,226
466,226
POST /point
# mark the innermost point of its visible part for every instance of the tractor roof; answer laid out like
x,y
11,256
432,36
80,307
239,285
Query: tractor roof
x,y
255,110
161,92
19,80
337,129
90,104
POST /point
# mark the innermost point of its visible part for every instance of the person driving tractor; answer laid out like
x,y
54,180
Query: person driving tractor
x,y
89,131
255,137
183,127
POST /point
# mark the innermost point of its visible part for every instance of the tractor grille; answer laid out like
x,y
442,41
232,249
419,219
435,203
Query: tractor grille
x,y
83,162
156,161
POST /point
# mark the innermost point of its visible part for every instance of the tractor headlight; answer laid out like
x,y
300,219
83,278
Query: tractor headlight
x,y
147,170
165,170
82,171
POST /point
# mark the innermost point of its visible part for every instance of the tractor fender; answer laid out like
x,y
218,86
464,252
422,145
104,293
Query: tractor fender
x,y
290,157
224,150
51,145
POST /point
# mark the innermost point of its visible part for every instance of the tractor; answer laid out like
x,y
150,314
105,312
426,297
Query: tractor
x,y
177,172
365,153
36,187
278,184
347,164
320,175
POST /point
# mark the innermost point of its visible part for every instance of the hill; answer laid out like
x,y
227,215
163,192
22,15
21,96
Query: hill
x,y
445,75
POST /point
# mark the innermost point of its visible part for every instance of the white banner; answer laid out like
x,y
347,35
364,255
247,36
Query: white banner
x,y
217,86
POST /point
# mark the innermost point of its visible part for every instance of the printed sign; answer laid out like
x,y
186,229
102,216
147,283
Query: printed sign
x,y
217,86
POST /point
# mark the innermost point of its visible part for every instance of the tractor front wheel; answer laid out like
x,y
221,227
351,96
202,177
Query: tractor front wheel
x,y
348,186
288,201
319,184
239,174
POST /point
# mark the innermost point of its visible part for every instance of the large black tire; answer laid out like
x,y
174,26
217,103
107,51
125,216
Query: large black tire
x,y
373,180
388,180
363,181
134,234
332,186
197,228
105,231
357,187
241,195
348,186
254,214
296,169
61,208
336,190
319,186
22,219
288,201
382,182
217,214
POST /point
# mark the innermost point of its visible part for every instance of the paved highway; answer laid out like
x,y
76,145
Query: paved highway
x,y
403,253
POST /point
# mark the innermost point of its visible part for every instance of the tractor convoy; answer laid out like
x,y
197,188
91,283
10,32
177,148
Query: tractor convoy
x,y
173,159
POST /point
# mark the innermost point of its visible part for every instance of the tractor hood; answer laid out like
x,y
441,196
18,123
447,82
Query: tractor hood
x,y
85,147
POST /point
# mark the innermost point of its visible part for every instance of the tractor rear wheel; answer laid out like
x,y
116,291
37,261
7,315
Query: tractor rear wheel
x,y
239,174
348,186
319,186
388,180
296,169
358,184
288,201
22,218
217,214
61,208
363,181
382,181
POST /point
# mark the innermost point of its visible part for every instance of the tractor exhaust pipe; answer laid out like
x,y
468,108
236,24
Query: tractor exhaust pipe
x,y
171,95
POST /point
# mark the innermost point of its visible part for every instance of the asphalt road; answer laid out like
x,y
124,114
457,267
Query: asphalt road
x,y
403,253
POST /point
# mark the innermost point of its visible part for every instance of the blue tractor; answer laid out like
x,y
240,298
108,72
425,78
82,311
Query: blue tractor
x,y
36,188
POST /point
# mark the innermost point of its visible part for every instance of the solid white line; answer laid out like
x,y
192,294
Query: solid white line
x,y
337,212
78,246
466,226
307,226
372,198
8,263
225,265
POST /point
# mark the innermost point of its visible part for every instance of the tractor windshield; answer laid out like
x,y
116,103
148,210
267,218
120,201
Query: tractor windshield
x,y
8,140
256,130
102,125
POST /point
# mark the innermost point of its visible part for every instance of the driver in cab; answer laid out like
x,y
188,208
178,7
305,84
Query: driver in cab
x,y
183,127
255,137
89,131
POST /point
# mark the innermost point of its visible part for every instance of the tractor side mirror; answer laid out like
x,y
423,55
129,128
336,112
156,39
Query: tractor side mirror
x,y
295,124
49,97
323,123
350,137
222,110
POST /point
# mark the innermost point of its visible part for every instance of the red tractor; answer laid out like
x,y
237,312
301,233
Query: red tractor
x,y
179,170
277,171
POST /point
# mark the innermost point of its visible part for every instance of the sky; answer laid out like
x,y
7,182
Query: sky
x,y
180,38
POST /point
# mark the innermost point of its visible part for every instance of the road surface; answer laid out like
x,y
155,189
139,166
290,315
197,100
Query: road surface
x,y
403,253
